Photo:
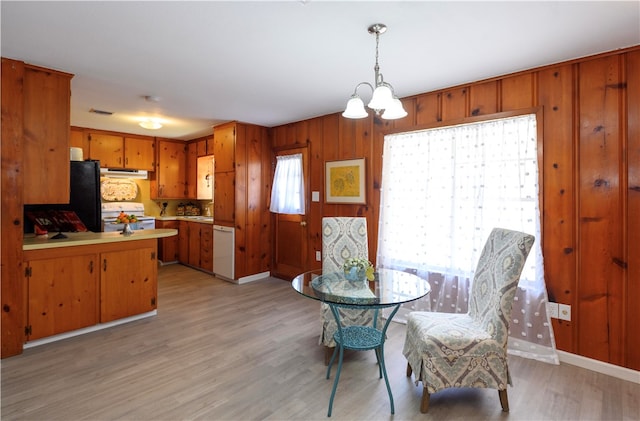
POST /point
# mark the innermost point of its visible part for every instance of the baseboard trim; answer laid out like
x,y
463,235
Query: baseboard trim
x,y
252,278
89,329
616,371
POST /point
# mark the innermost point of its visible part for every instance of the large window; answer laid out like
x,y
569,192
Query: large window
x,y
443,191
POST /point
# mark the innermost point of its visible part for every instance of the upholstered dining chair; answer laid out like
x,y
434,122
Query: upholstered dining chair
x,y
447,350
343,238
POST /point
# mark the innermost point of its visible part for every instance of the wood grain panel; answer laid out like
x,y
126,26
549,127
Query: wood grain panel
x,y
241,211
518,92
454,104
600,278
633,212
483,98
46,129
558,206
13,314
63,294
428,108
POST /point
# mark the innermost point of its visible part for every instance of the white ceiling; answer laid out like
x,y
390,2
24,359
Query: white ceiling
x,y
271,63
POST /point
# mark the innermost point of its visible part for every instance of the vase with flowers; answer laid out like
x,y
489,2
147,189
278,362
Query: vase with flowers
x,y
358,269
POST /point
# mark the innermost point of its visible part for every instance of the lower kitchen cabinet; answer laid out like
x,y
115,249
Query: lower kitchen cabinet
x,y
206,247
128,283
62,294
168,246
70,288
196,245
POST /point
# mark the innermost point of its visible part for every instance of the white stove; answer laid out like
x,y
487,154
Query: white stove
x,y
110,210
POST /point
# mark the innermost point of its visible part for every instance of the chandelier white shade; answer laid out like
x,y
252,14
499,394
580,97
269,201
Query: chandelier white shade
x,y
383,97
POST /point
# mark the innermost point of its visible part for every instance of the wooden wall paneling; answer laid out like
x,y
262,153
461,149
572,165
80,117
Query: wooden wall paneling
x,y
13,314
632,309
255,203
266,221
331,133
556,96
241,211
600,278
483,98
454,104
316,183
518,92
428,108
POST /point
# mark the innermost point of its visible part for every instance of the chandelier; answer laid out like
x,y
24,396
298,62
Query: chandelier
x,y
383,97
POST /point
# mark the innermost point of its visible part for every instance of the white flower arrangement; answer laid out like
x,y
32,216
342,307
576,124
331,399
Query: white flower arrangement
x,y
358,264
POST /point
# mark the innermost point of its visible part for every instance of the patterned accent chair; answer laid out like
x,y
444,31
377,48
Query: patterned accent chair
x,y
343,238
470,350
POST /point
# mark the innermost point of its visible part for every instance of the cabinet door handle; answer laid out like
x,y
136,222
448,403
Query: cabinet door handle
x,y
104,265
126,161
91,266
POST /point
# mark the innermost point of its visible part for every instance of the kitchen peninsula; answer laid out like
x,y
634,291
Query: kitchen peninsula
x,y
89,281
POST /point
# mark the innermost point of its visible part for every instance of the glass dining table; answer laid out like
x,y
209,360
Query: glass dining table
x,y
388,289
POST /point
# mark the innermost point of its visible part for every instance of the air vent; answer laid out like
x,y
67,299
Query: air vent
x,y
101,112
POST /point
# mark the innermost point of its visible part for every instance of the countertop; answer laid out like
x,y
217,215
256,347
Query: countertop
x,y
201,219
31,242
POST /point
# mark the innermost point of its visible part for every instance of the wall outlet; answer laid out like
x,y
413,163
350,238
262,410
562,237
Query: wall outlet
x,y
318,256
564,312
552,310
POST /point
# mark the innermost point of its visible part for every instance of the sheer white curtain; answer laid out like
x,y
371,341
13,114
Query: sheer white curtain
x,y
287,194
443,191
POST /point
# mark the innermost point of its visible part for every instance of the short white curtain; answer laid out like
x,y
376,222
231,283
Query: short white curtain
x,y
443,191
287,194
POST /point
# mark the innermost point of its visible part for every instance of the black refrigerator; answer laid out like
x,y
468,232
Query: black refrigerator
x,y
84,197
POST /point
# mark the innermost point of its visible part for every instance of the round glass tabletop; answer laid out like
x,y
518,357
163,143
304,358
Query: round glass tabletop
x,y
390,287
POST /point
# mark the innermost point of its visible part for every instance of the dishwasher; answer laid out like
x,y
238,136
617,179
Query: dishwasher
x,y
224,251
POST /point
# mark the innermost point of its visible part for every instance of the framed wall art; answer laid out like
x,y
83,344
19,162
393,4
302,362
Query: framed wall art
x,y
344,181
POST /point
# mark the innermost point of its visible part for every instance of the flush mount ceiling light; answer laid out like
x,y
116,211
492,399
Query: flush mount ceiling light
x,y
150,124
383,97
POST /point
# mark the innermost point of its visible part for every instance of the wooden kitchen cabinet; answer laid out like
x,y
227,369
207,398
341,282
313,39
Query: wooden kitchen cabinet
x,y
46,98
206,247
195,247
139,153
192,170
224,198
107,148
62,294
224,146
170,178
183,242
128,283
117,151
194,244
168,246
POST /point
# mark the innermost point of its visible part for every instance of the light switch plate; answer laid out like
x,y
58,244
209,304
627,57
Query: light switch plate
x,y
552,310
315,196
564,312
318,256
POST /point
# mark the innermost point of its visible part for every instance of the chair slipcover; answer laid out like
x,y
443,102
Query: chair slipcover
x,y
343,238
470,350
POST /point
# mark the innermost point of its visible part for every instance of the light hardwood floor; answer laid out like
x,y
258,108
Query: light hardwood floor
x,y
219,351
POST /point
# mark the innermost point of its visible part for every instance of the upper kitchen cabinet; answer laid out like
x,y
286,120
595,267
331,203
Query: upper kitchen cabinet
x,y
46,122
170,178
139,153
118,151
224,145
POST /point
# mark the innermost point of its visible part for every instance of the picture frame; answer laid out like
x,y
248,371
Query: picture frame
x,y
345,181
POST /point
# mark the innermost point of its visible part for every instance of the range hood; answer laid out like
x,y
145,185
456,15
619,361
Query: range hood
x,y
123,173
